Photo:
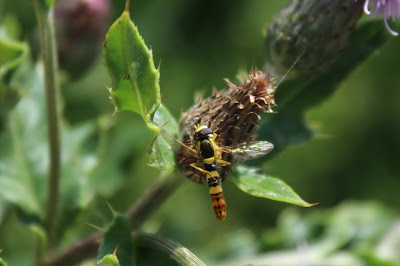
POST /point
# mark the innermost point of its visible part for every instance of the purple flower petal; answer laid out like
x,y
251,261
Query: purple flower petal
x,y
384,9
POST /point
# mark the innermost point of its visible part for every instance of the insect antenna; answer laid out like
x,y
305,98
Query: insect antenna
x,y
295,62
177,140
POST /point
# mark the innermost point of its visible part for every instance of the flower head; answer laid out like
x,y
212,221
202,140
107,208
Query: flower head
x,y
233,113
323,27
384,9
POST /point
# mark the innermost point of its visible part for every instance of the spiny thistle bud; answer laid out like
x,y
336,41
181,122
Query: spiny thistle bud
x,y
322,27
81,25
232,114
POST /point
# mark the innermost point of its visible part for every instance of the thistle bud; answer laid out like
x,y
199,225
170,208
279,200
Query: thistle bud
x,y
81,26
232,114
322,27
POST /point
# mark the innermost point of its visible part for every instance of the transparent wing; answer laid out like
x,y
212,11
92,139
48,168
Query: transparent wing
x,y
248,150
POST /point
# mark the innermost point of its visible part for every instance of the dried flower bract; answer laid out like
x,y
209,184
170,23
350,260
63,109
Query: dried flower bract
x,y
232,113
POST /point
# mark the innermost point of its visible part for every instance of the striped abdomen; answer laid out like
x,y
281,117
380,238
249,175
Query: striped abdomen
x,y
206,147
217,197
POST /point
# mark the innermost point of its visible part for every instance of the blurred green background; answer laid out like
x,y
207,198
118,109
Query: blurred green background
x,y
354,155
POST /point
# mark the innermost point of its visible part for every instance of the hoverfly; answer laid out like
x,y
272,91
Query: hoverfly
x,y
207,155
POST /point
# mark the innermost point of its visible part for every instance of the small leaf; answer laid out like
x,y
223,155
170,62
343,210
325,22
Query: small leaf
x,y
117,234
110,259
13,54
162,153
49,3
135,80
259,185
2,262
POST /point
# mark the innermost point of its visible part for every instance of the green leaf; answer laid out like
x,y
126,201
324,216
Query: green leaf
x,y
295,97
110,259
23,155
13,54
370,259
49,3
117,237
2,262
87,169
259,185
10,28
135,80
162,151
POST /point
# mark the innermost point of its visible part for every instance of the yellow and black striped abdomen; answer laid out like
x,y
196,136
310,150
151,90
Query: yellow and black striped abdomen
x,y
206,147
215,188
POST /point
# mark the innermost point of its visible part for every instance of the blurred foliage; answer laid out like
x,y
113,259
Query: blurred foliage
x,y
354,154
350,234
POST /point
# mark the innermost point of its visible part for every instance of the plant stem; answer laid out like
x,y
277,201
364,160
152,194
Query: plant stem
x,y
176,251
152,199
149,203
45,17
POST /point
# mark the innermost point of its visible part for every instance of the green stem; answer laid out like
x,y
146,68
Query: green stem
x,y
153,198
175,250
149,203
45,17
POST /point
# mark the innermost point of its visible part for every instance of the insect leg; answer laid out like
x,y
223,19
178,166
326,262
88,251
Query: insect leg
x,y
196,166
223,162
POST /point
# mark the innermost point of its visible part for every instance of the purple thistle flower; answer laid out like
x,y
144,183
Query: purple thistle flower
x,y
385,9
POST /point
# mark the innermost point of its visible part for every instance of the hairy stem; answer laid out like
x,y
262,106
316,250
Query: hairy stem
x,y
148,204
175,250
45,17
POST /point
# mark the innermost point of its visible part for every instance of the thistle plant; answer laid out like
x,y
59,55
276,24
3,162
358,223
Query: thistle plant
x,y
385,10
54,176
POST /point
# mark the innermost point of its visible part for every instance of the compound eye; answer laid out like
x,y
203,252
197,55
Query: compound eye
x,y
196,136
203,134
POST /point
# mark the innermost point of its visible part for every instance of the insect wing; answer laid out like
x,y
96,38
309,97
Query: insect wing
x,y
249,150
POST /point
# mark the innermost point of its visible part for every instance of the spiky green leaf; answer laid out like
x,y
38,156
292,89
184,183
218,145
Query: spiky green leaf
x,y
134,79
117,241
